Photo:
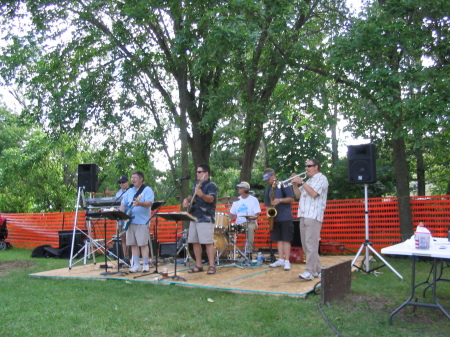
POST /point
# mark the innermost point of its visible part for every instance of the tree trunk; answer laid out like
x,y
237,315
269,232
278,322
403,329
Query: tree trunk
x,y
250,150
334,140
420,171
402,185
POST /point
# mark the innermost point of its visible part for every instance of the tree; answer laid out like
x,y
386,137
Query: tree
x,y
175,63
386,46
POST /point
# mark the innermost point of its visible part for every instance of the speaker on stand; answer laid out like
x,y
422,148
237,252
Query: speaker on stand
x,y
88,177
361,164
362,170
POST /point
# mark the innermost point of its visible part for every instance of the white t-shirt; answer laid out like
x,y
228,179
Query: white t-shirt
x,y
247,206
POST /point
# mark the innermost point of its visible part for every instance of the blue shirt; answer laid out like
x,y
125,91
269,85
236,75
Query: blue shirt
x,y
284,210
141,214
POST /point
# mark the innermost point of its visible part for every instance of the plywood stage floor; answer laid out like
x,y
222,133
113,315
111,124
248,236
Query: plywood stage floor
x,y
229,276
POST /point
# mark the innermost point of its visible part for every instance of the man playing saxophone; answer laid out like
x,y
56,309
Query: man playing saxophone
x,y
279,200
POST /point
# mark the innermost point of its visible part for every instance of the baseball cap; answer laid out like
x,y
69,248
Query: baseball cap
x,y
244,184
267,175
122,179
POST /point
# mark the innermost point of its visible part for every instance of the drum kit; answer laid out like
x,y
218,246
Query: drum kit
x,y
225,241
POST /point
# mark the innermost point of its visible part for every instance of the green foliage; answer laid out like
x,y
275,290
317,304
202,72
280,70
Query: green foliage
x,y
246,84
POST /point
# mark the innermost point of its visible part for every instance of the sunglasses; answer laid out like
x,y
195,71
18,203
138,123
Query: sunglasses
x,y
310,165
122,182
201,171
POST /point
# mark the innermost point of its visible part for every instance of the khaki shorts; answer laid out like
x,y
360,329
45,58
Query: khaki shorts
x,y
201,232
137,235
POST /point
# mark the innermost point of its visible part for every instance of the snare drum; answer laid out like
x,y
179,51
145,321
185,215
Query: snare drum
x,y
221,224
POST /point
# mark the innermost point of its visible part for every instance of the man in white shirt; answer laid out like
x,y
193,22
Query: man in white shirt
x,y
246,211
312,197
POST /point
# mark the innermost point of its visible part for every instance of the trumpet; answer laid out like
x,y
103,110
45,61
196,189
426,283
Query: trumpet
x,y
287,183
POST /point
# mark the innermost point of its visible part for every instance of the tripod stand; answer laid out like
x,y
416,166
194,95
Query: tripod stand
x,y
367,244
89,242
176,216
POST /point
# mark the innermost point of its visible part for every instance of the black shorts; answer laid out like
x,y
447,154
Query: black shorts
x,y
282,231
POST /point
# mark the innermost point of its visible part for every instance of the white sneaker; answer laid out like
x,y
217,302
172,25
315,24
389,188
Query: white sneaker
x,y
136,268
276,264
287,265
146,268
317,275
306,276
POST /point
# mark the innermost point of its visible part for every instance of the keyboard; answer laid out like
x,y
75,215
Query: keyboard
x,y
108,201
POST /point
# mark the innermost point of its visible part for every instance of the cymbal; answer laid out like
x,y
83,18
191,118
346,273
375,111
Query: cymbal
x,y
247,216
228,199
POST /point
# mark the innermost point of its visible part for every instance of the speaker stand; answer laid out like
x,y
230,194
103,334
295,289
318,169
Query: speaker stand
x,y
368,245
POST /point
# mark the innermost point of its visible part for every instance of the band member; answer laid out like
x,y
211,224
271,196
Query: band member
x,y
138,200
281,199
311,209
246,211
123,184
202,205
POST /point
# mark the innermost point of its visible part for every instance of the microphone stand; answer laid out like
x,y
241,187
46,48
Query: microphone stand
x,y
155,213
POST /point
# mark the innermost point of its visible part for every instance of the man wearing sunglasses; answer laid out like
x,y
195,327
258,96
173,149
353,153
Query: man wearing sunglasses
x,y
202,205
312,197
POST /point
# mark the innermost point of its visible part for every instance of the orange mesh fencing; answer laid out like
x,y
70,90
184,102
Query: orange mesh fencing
x,y
344,223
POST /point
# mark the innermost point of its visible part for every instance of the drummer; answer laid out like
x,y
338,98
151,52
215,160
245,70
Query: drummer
x,y
246,211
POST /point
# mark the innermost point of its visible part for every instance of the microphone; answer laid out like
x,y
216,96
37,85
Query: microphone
x,y
183,178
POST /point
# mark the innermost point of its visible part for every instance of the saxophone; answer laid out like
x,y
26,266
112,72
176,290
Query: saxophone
x,y
272,211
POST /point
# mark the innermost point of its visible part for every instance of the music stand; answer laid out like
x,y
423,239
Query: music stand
x,y
176,216
111,215
155,206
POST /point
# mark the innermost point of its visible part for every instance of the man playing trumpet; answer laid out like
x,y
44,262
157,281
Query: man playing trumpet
x,y
312,197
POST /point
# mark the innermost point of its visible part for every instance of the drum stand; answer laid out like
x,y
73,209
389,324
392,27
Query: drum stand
x,y
246,252
183,246
232,242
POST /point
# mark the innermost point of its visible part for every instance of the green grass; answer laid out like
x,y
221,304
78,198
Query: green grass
x,y
31,306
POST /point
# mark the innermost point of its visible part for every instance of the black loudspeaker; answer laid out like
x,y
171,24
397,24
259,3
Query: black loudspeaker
x,y
65,238
361,164
88,177
167,249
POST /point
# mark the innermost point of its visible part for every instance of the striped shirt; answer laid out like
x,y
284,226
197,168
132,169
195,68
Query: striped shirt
x,y
314,208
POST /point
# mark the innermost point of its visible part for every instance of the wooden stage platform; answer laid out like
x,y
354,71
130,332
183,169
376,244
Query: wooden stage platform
x,y
228,277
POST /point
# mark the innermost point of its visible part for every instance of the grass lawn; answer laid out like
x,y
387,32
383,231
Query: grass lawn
x,y
32,306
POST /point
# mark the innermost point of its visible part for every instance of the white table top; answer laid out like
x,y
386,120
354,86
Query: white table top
x,y
439,248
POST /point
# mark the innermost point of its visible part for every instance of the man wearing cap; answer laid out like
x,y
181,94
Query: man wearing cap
x,y
283,228
123,183
247,205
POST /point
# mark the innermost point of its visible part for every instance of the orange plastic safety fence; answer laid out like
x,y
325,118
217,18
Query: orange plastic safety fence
x,y
344,223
